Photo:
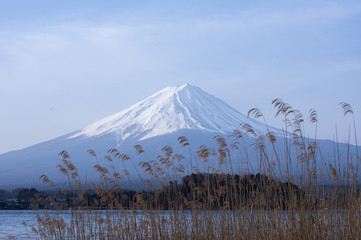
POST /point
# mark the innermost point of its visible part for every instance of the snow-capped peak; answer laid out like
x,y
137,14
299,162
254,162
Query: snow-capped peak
x,y
171,109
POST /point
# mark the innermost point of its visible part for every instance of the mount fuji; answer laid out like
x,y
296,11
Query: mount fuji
x,y
167,111
157,121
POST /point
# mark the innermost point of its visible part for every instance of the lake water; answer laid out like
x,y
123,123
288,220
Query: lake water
x,y
12,227
11,224
11,221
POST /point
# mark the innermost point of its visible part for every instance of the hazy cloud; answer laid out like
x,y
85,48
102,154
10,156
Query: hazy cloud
x,y
82,65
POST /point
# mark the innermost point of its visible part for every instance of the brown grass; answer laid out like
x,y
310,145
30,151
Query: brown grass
x,y
220,206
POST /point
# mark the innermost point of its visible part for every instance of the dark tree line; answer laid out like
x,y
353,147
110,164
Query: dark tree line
x,y
196,191
22,198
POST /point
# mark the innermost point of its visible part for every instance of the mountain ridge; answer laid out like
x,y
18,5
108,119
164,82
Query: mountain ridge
x,y
154,122
183,110
172,108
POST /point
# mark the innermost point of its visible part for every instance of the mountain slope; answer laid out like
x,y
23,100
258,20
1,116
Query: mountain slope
x,y
156,121
153,123
171,109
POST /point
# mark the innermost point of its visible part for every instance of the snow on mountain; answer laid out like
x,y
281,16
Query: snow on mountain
x,y
157,121
154,122
171,109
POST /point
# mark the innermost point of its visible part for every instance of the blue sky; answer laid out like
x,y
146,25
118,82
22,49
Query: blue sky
x,y
66,64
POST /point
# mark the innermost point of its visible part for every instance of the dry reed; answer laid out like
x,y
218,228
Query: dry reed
x,y
306,195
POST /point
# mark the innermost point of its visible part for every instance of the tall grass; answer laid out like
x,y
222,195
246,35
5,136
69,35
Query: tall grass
x,y
300,191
